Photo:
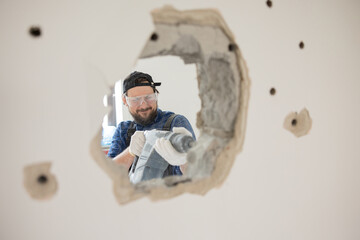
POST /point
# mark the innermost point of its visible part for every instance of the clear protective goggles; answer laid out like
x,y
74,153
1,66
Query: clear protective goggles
x,y
137,101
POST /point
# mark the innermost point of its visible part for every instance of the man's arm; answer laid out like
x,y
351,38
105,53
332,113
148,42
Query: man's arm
x,y
124,158
137,142
118,151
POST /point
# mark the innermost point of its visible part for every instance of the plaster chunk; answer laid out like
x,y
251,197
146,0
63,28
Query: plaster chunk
x,y
298,123
39,182
220,98
188,48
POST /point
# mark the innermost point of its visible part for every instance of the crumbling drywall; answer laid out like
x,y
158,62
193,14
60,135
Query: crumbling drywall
x,y
298,123
39,182
203,38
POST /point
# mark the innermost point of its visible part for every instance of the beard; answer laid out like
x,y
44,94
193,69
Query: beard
x,y
144,120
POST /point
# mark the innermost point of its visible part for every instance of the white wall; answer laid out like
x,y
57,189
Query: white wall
x,y
280,187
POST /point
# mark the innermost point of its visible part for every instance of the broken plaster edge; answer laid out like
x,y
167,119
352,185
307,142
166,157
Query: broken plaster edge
x,y
226,157
203,17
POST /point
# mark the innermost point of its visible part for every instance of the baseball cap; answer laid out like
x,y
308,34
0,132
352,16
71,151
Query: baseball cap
x,y
130,81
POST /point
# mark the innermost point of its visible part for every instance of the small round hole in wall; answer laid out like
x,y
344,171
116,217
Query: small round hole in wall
x,y
269,3
272,91
35,31
301,45
154,37
232,47
294,122
39,182
42,179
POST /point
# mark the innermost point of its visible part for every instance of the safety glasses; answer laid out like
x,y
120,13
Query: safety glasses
x,y
137,101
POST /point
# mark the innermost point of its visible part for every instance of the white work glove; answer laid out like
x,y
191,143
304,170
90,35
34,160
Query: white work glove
x,y
165,149
181,130
137,143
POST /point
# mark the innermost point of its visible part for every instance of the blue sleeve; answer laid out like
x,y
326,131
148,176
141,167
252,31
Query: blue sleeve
x,y
181,121
177,171
118,143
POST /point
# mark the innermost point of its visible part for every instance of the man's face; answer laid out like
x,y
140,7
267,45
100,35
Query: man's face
x,y
145,112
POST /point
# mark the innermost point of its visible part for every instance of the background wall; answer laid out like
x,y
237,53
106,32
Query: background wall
x,y
280,187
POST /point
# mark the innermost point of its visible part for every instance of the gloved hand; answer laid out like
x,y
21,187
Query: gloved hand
x,y
181,130
137,143
165,149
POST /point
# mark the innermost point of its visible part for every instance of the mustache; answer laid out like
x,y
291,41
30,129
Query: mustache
x,y
143,110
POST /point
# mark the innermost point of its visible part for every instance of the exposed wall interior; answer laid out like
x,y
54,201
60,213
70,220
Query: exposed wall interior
x,y
199,37
292,174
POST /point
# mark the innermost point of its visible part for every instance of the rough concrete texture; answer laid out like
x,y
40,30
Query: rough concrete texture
x,y
298,124
39,182
203,38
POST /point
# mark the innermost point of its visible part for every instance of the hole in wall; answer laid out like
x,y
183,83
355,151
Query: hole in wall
x,y
272,91
301,45
232,47
222,116
154,37
298,124
35,31
39,182
178,89
269,3
42,179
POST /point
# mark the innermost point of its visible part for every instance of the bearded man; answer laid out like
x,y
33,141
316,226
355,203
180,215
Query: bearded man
x,y
140,97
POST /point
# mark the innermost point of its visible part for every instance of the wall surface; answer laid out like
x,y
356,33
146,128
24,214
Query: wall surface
x,y
280,187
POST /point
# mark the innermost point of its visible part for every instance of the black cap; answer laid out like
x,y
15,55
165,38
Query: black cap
x,y
130,81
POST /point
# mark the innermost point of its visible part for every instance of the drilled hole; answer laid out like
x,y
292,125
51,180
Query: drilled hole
x,y
42,179
269,3
294,122
35,31
272,91
154,37
301,45
232,47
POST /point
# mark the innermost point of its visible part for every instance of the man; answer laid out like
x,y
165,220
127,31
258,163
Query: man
x,y
140,97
